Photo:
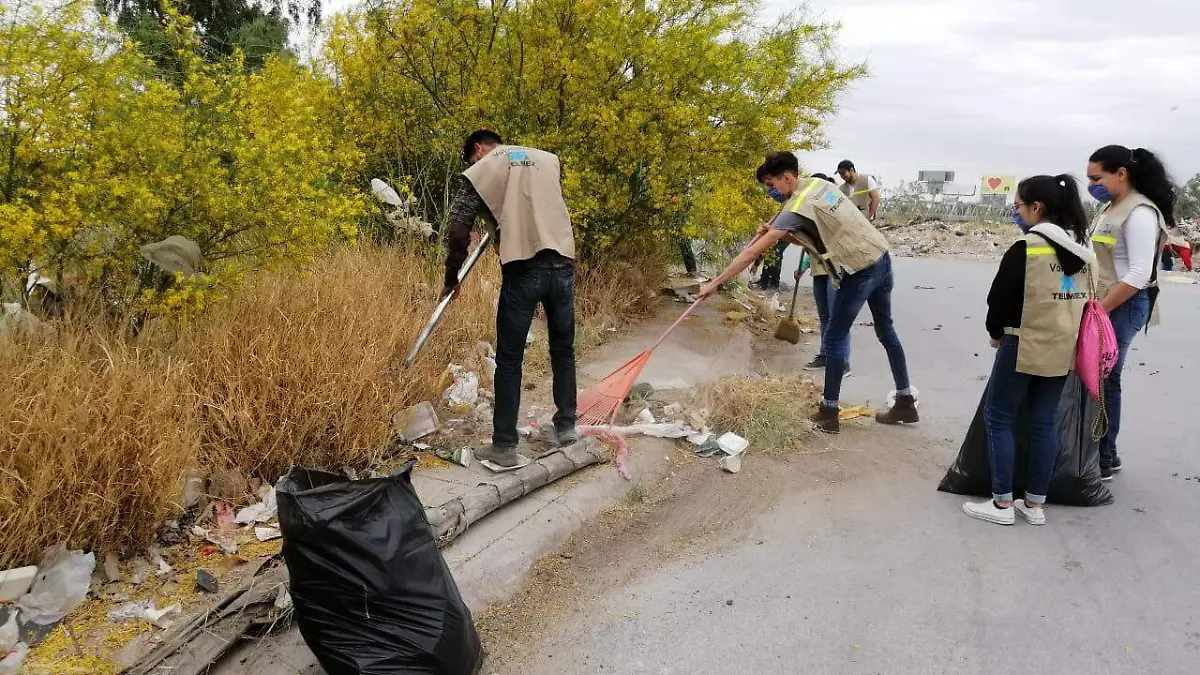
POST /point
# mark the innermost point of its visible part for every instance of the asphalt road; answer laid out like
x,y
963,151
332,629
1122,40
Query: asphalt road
x,y
887,576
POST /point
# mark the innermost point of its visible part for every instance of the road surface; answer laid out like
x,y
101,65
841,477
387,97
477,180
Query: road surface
x,y
884,575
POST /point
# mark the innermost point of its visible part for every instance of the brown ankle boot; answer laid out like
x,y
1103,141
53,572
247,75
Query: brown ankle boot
x,y
826,419
903,412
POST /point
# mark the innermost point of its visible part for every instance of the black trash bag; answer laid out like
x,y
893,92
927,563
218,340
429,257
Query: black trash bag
x,y
372,594
1076,479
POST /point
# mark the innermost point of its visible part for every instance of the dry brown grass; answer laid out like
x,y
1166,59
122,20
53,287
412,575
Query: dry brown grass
x,y
770,412
97,426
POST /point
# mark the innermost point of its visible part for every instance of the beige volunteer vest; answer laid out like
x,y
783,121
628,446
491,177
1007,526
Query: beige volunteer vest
x,y
859,193
852,243
1052,312
520,186
1106,231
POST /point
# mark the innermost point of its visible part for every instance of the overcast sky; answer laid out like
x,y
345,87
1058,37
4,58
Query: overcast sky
x,y
1013,86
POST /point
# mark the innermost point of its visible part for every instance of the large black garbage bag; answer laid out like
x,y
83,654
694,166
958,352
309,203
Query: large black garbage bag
x,y
1076,480
372,594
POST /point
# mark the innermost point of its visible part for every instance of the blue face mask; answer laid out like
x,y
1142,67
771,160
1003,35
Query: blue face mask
x,y
1021,221
1100,193
776,195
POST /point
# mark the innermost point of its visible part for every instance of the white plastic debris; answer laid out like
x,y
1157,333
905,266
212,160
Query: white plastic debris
x,y
464,393
160,563
144,610
16,582
261,512
283,598
200,531
673,410
731,463
732,444
10,663
775,304
385,193
61,584
646,417
483,413
416,422
267,533
10,632
699,438
659,430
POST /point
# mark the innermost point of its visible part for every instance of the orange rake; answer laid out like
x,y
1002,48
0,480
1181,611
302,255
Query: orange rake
x,y
599,404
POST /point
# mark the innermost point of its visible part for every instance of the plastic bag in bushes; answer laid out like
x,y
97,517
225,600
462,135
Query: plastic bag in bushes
x,y
372,594
1076,479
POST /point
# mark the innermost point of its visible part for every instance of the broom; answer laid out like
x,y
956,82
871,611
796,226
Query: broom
x,y
788,329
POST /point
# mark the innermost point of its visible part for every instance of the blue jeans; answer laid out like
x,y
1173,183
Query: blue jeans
x,y
1006,390
872,287
823,295
549,280
1127,320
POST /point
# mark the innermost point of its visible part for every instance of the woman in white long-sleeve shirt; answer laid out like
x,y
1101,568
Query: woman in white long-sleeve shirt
x,y
1128,236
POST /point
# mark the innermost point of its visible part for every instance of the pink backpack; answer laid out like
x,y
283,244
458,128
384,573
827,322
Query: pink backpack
x,y
1096,350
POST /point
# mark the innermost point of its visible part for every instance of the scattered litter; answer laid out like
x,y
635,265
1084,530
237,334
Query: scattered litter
x,y
261,512
62,583
925,288
16,582
267,533
199,532
673,410
205,581
710,448
851,412
193,491
640,392
1155,372
144,610
522,461
646,417
699,439
938,327
615,439
483,412
156,558
10,632
415,422
224,515
461,456
731,463
464,393
732,444
775,305
283,598
658,430
1139,509
10,664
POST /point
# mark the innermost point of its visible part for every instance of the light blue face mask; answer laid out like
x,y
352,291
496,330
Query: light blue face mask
x,y
1020,221
776,195
1100,193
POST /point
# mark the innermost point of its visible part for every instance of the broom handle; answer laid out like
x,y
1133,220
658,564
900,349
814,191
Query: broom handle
x,y
693,306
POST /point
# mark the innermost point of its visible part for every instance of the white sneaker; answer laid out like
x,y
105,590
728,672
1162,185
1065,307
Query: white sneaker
x,y
1031,515
990,512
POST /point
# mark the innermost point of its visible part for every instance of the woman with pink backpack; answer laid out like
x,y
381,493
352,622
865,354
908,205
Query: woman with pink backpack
x,y
1035,307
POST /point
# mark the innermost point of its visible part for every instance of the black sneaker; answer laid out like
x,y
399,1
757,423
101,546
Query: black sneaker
x,y
817,363
1106,473
1116,465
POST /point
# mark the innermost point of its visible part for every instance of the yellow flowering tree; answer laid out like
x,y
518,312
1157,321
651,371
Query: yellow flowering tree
x,y
106,153
660,111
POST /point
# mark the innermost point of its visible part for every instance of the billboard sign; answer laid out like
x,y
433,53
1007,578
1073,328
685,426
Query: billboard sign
x,y
998,185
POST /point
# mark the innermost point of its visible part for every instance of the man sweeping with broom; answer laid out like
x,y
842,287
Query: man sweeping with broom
x,y
517,191
815,210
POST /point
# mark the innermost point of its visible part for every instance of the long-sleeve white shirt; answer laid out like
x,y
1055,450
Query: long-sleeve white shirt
x,y
1134,253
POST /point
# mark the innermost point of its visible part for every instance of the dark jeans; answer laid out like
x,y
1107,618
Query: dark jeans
x,y
1127,321
550,281
1006,390
872,287
824,294
774,266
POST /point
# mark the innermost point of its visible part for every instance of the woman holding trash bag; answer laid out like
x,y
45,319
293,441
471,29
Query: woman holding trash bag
x,y
1034,309
1128,234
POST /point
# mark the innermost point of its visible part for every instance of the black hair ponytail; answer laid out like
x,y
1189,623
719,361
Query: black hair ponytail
x,y
1059,197
1147,173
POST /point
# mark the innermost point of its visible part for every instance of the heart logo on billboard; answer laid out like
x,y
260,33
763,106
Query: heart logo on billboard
x,y
994,182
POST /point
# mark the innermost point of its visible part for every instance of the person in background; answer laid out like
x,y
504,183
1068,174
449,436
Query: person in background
x,y
769,279
517,190
817,212
823,295
1128,235
862,189
1035,306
